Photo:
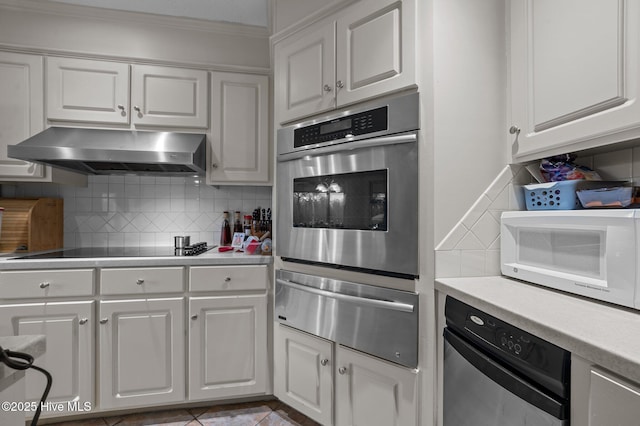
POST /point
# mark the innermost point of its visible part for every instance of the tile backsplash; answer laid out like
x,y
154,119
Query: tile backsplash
x,y
472,247
134,211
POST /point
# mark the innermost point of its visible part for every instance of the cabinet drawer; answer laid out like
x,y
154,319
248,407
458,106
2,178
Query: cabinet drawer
x,y
44,284
220,278
142,280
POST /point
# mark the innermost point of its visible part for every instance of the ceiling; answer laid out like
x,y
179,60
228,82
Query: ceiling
x,y
249,12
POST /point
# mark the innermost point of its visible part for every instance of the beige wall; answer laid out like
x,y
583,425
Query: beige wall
x,y
65,29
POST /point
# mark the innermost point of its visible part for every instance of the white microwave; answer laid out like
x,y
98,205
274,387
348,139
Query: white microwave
x,y
593,253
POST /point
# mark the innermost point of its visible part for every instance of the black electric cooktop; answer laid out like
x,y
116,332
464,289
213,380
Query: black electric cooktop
x,y
93,252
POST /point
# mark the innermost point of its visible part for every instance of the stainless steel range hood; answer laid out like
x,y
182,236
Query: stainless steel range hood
x,y
104,152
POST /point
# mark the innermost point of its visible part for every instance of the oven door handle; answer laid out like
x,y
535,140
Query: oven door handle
x,y
344,146
366,301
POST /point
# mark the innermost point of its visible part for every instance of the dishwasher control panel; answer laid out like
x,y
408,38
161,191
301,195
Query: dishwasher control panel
x,y
505,342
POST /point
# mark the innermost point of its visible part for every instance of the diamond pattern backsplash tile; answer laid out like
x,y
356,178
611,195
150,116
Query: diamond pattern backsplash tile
x,y
144,210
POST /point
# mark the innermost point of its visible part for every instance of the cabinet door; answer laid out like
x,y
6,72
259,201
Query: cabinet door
x,y
239,129
376,49
303,378
373,392
68,328
304,70
87,90
612,401
227,346
575,77
22,106
141,352
163,96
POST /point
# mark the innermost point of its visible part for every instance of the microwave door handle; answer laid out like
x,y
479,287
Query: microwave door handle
x,y
376,303
342,147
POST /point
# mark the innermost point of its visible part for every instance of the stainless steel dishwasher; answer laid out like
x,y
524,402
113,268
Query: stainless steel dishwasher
x,y
498,375
379,321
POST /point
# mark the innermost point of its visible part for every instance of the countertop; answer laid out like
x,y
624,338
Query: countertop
x,y
212,257
33,345
605,334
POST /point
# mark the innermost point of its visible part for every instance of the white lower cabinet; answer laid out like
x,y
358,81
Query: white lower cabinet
x,y
68,328
141,352
303,372
227,346
602,398
366,390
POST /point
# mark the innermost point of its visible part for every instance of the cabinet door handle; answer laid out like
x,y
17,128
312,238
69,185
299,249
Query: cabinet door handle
x,y
324,362
342,370
83,321
104,320
227,279
136,108
327,88
214,165
339,84
121,107
44,284
194,317
139,281
514,130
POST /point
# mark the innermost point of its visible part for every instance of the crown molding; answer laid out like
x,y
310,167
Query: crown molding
x,y
54,8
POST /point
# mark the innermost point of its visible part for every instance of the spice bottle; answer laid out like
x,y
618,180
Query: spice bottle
x,y
225,232
237,225
247,226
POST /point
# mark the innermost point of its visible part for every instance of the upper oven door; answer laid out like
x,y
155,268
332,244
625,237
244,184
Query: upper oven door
x,y
352,204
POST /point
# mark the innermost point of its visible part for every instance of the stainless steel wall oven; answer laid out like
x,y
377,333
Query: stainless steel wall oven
x,y
347,186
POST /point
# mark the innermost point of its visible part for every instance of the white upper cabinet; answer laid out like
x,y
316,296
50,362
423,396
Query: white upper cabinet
x,y
365,50
304,70
239,129
163,96
84,90
22,116
375,50
575,77
87,90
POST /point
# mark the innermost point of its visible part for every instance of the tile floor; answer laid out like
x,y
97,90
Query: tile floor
x,y
261,413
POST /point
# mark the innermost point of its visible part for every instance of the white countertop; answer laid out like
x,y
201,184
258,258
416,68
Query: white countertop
x,y
211,257
605,334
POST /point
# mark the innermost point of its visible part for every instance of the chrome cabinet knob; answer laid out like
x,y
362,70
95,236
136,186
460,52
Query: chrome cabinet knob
x,y
324,362
227,279
214,165
44,284
342,370
327,88
139,281
121,107
514,130
83,321
136,108
339,84
104,320
194,317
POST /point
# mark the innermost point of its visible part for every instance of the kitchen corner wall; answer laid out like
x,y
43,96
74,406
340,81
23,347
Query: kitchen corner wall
x,y
472,247
134,211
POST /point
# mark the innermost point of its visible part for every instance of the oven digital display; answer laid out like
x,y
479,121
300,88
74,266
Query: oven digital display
x,y
335,126
362,123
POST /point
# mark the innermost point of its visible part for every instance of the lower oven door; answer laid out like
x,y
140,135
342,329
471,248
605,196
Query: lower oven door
x,y
379,321
353,204
479,391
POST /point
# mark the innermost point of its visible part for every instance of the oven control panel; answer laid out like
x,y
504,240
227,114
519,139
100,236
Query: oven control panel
x,y
362,123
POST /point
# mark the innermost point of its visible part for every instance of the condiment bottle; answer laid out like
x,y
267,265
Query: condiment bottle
x,y
247,226
237,226
225,232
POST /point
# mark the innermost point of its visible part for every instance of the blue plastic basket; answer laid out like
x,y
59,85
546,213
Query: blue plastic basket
x,y
552,195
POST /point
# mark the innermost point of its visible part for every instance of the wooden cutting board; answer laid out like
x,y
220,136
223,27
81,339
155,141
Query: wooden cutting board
x,y
31,224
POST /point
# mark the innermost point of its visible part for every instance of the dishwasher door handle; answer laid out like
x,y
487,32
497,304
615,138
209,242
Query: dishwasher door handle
x,y
364,301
